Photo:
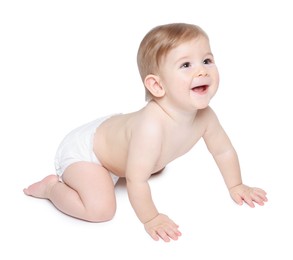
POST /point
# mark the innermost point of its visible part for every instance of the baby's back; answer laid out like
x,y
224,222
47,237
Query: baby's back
x,y
112,138
111,142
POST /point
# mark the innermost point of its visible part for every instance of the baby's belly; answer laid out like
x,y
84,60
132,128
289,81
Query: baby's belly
x,y
118,166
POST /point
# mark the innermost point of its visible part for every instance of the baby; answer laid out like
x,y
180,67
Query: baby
x,y
180,76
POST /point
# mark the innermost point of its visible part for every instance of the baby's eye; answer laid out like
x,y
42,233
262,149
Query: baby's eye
x,y
208,61
185,65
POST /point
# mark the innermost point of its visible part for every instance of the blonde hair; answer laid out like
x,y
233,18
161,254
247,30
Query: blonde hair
x,y
158,42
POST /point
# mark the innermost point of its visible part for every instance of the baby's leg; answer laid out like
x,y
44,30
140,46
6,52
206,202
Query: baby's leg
x,y
87,192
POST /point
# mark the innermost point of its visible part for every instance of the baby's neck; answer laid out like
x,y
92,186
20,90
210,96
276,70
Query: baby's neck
x,y
181,117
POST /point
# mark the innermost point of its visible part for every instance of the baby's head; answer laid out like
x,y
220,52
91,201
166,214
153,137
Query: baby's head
x,y
158,42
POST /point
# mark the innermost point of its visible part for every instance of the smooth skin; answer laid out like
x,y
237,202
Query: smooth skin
x,y
139,144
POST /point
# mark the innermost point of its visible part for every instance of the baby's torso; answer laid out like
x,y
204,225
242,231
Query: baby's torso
x,y
111,141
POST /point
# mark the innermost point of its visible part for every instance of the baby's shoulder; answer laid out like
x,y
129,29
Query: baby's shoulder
x,y
206,114
206,118
148,123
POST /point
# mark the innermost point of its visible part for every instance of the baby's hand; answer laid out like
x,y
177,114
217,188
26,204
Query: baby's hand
x,y
248,194
162,227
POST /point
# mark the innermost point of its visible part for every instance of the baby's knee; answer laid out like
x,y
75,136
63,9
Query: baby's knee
x,y
101,214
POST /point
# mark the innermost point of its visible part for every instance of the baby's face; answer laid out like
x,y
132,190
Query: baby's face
x,y
189,74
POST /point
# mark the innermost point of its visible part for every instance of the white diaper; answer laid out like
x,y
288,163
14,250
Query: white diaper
x,y
78,146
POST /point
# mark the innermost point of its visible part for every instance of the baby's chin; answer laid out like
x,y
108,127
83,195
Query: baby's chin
x,y
202,103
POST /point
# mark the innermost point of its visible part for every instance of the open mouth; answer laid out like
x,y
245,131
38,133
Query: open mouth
x,y
200,89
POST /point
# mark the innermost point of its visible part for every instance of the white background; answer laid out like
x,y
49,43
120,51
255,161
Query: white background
x,y
64,63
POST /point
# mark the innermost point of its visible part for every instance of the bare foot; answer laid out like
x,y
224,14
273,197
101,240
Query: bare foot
x,y
40,189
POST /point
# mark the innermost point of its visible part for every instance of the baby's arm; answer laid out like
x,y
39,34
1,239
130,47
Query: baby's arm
x,y
219,145
143,153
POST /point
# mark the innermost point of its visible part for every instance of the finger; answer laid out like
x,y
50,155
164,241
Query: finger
x,y
178,234
175,227
259,198
154,235
174,224
262,194
173,234
248,200
260,191
163,235
237,198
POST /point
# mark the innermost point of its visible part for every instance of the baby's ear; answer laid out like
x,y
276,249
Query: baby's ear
x,y
152,83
